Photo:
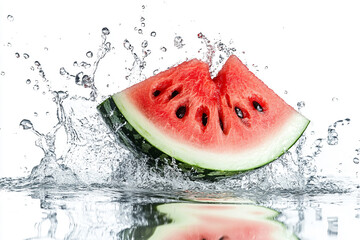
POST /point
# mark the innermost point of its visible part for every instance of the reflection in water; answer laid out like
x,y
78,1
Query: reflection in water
x,y
102,213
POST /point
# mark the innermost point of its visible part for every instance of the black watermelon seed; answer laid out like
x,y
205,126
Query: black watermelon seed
x,y
224,238
239,113
180,112
221,124
257,106
173,94
156,93
204,119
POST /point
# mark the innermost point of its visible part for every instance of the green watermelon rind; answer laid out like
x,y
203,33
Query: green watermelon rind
x,y
139,134
130,138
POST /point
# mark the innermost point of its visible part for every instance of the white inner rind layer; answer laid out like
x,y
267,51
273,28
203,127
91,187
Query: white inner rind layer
x,y
265,151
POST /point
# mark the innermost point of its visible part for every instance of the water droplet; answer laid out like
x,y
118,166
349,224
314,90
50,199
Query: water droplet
x,y
37,63
26,56
17,55
42,74
140,31
200,35
266,67
357,151
146,53
144,44
300,104
105,31
35,114
142,19
78,78
89,54
10,18
155,71
163,49
46,48
285,92
143,6
85,64
26,124
107,46
87,81
127,44
2,73
178,42
32,68
28,81
142,24
153,34
356,160
9,44
334,99
36,87
62,71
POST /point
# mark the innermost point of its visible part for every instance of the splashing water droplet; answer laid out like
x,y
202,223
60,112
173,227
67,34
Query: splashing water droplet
x,y
87,81
78,78
9,44
142,24
2,73
140,31
300,105
26,56
17,55
46,48
62,71
142,19
155,71
144,44
37,63
153,34
146,53
36,87
28,81
10,18
356,160
163,49
127,44
285,92
26,124
35,114
105,31
357,151
143,6
334,99
178,42
89,54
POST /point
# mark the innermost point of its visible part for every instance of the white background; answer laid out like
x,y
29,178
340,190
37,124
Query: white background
x,y
311,50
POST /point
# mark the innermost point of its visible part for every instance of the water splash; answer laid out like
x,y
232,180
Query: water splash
x,y
87,80
93,156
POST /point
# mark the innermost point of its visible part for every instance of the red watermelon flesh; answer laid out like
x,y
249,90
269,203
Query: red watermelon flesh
x,y
233,122
220,221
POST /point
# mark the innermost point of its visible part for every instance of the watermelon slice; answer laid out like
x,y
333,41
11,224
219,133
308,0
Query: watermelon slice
x,y
191,221
231,123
